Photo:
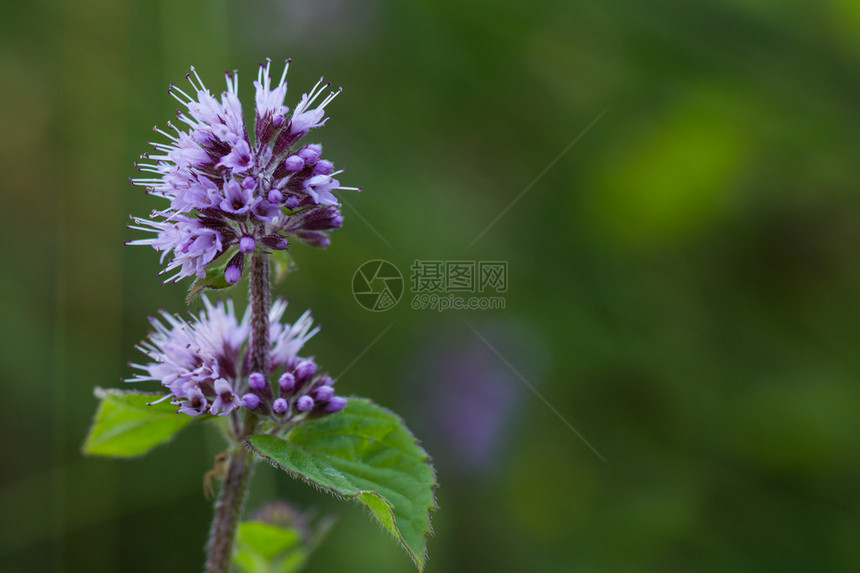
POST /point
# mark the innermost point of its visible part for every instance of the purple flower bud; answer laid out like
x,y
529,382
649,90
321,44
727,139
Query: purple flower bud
x,y
247,244
293,163
336,404
314,238
304,403
276,242
257,382
249,183
305,370
323,167
287,382
250,401
278,120
275,196
323,393
310,153
233,272
292,202
322,218
280,406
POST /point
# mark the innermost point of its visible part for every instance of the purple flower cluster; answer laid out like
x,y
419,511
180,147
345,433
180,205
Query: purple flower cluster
x,y
300,390
230,195
204,365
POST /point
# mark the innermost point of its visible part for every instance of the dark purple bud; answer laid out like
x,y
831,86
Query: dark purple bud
x,y
287,382
305,370
293,163
323,167
276,242
310,153
247,244
249,183
233,272
280,406
322,218
275,196
250,401
304,403
314,238
336,404
323,393
257,382
284,141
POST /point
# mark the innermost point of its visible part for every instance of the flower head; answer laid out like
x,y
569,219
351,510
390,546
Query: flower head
x,y
203,364
227,191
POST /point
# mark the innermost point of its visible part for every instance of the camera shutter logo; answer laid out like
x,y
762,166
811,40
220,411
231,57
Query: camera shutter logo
x,y
377,285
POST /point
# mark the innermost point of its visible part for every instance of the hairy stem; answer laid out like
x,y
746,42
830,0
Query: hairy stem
x,y
227,511
234,491
261,300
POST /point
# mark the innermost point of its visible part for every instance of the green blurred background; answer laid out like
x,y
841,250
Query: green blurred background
x,y
683,282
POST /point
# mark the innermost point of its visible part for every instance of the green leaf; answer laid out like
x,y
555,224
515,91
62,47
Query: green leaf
x,y
263,548
126,426
214,279
365,453
282,546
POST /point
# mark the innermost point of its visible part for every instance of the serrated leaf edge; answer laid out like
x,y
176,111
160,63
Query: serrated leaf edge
x,y
427,461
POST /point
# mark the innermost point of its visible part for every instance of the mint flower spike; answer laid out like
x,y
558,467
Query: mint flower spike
x,y
231,195
203,364
227,193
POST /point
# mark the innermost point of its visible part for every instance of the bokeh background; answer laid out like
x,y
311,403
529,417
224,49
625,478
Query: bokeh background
x,y
683,282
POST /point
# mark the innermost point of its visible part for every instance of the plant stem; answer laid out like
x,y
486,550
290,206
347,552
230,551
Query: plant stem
x,y
261,300
227,511
235,489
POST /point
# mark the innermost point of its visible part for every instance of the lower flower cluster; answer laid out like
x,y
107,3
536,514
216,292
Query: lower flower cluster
x,y
204,365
